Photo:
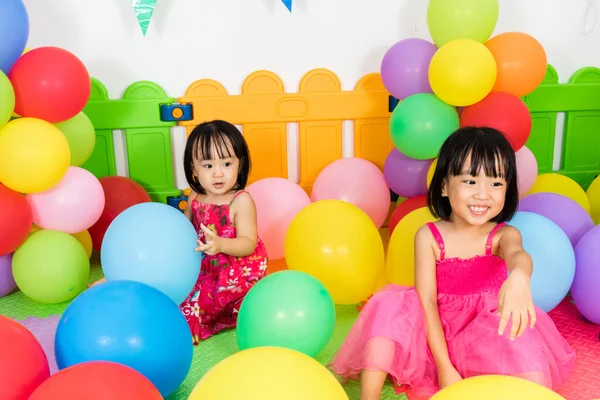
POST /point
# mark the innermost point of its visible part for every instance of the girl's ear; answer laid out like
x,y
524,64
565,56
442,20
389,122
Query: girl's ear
x,y
445,188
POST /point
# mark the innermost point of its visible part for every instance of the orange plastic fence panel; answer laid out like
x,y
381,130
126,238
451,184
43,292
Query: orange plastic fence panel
x,y
202,89
372,140
320,141
268,140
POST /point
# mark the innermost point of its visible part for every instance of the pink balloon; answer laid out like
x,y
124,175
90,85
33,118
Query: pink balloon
x,y
356,181
527,170
72,206
277,200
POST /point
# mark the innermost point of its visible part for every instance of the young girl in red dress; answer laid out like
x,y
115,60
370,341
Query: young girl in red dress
x,y
217,165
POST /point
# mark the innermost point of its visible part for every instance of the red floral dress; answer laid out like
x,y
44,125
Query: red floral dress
x,y
224,280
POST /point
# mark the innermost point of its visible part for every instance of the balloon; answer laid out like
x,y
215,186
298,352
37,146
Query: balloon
x,y
527,170
561,184
338,244
15,219
593,195
277,201
553,258
586,288
431,171
268,373
129,323
120,193
462,72
356,181
521,62
7,281
420,124
24,364
288,309
97,380
405,208
72,206
51,267
50,83
405,175
563,211
461,19
405,66
86,241
7,98
496,387
14,31
81,136
400,264
504,112
153,243
34,155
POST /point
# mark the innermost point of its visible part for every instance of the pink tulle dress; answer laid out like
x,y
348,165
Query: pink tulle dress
x,y
389,334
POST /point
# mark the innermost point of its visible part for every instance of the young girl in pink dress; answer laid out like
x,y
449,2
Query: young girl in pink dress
x,y
466,315
217,165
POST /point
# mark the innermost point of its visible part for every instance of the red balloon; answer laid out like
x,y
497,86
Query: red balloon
x,y
405,208
120,193
23,363
97,380
50,83
16,219
502,111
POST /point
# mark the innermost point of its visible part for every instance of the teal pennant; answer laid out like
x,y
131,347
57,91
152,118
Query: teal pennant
x,y
144,9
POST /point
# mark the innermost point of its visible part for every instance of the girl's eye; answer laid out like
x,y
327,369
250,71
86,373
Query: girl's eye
x,y
207,166
497,184
470,182
227,164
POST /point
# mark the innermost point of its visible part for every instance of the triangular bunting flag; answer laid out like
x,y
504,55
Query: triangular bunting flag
x,y
143,12
288,4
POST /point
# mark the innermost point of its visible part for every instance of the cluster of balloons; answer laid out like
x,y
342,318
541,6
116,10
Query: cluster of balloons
x,y
47,201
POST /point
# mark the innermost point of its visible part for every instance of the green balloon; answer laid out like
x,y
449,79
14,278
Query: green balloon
x,y
81,136
7,99
51,267
288,309
461,19
420,124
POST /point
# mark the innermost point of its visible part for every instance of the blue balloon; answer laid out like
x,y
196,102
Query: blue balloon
x,y
553,258
152,243
129,323
14,32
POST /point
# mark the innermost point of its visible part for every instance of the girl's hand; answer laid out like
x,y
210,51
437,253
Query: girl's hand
x,y
448,376
213,243
515,299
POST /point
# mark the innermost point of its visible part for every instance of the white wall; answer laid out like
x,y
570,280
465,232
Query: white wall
x,y
227,39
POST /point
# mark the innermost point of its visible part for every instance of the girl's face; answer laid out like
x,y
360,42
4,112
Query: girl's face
x,y
475,199
217,176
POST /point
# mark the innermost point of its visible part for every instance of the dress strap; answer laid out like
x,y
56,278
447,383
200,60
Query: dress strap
x,y
438,238
235,196
490,239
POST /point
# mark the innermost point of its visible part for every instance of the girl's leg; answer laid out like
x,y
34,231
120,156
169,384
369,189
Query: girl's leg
x,y
379,355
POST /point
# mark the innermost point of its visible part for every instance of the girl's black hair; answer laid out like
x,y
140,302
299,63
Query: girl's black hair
x,y
220,137
487,148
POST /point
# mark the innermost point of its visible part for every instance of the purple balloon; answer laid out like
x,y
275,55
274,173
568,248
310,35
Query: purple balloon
x,y
406,176
564,212
586,285
405,67
7,282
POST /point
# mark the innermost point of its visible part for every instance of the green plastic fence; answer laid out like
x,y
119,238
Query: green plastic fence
x,y
148,141
147,138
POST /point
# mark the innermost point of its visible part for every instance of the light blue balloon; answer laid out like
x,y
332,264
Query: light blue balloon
x,y
14,32
553,258
152,243
128,323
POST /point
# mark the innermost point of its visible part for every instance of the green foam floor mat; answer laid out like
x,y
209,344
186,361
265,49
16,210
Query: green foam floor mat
x,y
208,353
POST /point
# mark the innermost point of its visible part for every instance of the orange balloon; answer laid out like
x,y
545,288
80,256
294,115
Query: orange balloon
x,y
521,62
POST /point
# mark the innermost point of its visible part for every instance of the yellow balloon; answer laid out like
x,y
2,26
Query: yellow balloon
x,y
561,184
34,155
268,373
400,266
462,72
337,243
86,241
496,387
430,172
593,195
